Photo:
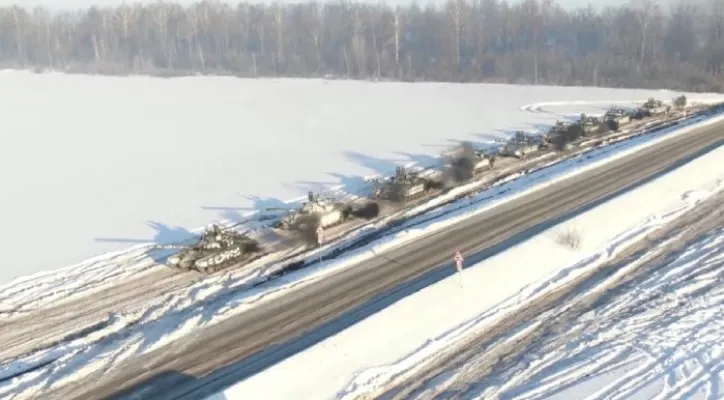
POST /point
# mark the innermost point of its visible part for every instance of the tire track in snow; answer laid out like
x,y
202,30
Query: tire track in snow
x,y
664,356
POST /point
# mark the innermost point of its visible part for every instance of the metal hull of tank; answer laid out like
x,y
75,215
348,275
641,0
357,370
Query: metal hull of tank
x,y
658,110
193,260
402,192
413,191
591,129
618,122
523,151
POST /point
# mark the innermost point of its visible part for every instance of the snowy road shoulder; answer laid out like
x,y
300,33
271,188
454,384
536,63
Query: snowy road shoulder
x,y
396,338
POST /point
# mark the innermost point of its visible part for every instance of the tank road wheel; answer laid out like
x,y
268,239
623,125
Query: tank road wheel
x,y
208,270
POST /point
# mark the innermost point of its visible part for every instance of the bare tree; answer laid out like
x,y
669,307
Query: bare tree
x,y
645,10
533,41
456,9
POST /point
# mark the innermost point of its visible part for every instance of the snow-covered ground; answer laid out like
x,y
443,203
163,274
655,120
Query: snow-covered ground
x,y
97,164
33,292
147,326
394,341
662,337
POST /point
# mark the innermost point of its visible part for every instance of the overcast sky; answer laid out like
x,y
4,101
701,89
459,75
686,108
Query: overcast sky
x,y
66,4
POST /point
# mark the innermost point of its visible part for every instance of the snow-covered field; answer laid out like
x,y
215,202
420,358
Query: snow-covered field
x,y
395,341
33,292
146,325
97,164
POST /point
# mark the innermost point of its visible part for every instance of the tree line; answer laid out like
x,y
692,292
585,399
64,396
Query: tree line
x,y
641,44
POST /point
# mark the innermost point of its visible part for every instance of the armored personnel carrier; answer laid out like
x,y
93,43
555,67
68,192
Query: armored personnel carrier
x,y
616,117
404,186
652,107
216,249
321,211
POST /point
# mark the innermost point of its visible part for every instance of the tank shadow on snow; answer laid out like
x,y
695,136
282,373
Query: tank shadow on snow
x,y
165,234
258,362
350,184
377,165
421,160
357,185
259,205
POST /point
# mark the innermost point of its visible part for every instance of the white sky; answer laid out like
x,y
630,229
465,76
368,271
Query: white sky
x,y
66,4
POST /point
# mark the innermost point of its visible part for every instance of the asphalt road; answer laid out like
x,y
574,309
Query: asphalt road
x,y
490,356
244,345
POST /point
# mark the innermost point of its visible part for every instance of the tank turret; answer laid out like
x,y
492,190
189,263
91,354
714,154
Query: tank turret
x,y
216,249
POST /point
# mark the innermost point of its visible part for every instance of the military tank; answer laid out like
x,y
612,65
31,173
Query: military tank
x,y
616,117
216,249
321,211
556,132
560,135
520,146
466,162
403,186
591,125
652,107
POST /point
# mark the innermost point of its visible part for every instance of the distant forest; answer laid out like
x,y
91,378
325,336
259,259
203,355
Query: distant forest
x,y
642,44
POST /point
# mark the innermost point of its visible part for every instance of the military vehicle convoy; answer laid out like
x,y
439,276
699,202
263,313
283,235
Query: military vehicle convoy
x,y
220,248
215,250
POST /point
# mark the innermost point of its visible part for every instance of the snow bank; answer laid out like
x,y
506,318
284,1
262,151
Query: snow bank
x,y
157,158
399,337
